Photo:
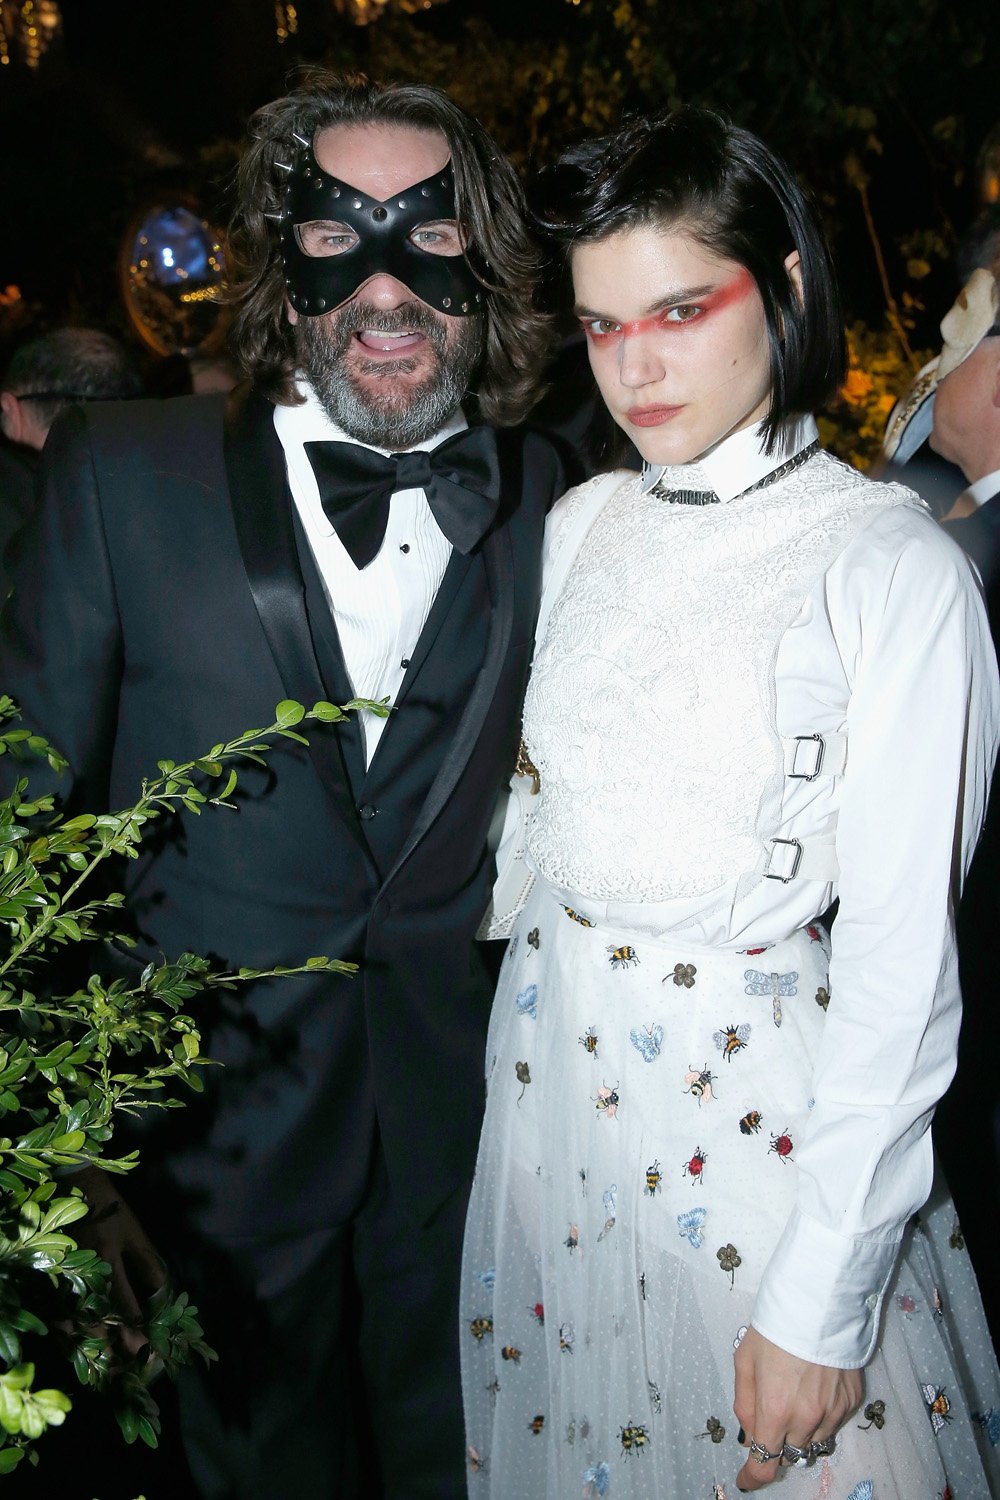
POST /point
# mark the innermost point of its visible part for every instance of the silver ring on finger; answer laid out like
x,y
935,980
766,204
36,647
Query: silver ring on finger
x,y
762,1454
823,1447
793,1456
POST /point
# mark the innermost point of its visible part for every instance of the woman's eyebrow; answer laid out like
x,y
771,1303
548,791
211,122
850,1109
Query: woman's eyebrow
x,y
671,299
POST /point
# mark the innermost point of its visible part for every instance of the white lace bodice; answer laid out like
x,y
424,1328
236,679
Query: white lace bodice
x,y
650,710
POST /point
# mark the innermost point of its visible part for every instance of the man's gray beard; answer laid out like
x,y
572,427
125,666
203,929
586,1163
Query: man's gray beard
x,y
399,418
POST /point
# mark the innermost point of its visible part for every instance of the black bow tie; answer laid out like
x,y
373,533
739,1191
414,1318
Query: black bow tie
x,y
460,477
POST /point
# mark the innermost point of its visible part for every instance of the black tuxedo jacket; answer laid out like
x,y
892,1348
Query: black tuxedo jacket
x,y
163,601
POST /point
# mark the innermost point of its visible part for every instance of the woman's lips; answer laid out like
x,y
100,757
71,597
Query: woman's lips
x,y
651,416
388,343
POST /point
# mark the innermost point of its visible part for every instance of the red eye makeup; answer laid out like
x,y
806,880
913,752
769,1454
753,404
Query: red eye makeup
x,y
684,311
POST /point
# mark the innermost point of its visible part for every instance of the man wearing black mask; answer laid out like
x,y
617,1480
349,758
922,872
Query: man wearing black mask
x,y
350,521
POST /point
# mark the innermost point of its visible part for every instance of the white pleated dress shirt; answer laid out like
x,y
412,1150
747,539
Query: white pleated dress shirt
x,y
379,610
892,648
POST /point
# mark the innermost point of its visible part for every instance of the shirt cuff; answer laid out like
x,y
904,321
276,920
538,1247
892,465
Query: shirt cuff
x,y
821,1295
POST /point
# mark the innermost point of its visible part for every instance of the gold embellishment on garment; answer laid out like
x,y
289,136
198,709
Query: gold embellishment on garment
x,y
525,767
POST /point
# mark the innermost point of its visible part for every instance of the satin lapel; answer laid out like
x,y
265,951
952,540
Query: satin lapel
x,y
498,560
262,510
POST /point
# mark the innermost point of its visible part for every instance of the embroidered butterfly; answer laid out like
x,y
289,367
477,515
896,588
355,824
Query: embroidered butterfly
x,y
527,1002
488,1277
990,1423
778,986
648,1041
596,1480
689,1225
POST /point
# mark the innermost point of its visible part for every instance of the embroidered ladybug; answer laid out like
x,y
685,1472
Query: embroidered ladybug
x,y
623,958
782,1146
751,1123
538,1313
653,1179
589,1041
814,933
696,1166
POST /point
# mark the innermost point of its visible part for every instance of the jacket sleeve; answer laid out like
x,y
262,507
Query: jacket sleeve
x,y
60,638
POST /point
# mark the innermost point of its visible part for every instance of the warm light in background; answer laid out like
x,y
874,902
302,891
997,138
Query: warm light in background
x,y
29,27
988,168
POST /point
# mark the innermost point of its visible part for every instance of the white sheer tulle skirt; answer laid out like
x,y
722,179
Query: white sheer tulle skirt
x,y
636,1168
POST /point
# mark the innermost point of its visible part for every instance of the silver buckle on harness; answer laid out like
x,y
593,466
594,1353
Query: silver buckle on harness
x,y
796,857
808,739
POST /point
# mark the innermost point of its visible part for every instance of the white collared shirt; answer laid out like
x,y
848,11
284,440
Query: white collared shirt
x,y
984,489
892,647
380,610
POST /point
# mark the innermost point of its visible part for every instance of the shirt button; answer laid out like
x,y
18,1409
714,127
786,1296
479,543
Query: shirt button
x,y
366,811
404,547
405,663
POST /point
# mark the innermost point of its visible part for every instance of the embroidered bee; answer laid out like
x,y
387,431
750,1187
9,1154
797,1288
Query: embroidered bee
x,y
527,1002
653,1179
596,1480
589,1041
699,1083
575,916
778,986
938,1405
633,1437
480,1327
683,975
607,1101
874,1416
689,1225
477,1465
538,1313
511,1354
781,1145
956,1239
936,1302
713,1429
622,958
655,1399
648,1041
729,1260
572,1240
696,1166
533,939
732,1040
536,1424
751,1123
566,1338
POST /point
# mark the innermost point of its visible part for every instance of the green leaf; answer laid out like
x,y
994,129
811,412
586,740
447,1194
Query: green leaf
x,y
9,1459
326,713
288,712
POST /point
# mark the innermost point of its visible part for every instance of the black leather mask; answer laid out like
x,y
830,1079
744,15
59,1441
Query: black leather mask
x,y
318,284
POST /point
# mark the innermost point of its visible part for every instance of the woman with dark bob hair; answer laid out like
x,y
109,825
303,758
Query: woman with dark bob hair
x,y
763,689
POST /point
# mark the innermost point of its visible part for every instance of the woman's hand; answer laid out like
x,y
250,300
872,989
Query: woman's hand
x,y
783,1399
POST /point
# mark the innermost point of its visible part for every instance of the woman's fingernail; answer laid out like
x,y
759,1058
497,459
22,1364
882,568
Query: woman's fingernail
x,y
741,1436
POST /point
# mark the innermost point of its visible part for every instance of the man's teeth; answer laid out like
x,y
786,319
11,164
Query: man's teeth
x,y
377,333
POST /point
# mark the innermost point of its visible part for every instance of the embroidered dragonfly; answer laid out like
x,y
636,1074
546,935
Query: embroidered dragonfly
x,y
648,1041
778,986
690,1224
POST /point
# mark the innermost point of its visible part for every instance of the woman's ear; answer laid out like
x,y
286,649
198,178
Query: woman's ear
x,y
793,265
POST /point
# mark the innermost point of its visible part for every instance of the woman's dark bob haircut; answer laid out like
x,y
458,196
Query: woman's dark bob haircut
x,y
692,170
504,254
